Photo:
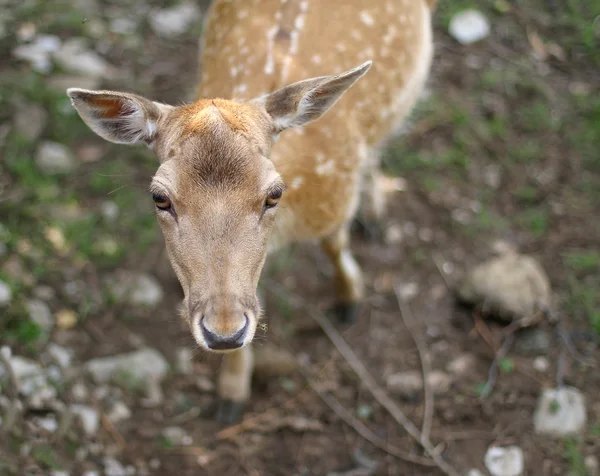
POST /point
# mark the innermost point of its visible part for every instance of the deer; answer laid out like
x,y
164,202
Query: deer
x,y
280,145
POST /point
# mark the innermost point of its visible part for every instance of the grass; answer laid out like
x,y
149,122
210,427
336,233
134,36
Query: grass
x,y
575,458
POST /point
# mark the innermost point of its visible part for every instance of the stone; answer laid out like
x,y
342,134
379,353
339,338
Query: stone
x,y
474,472
30,120
591,465
45,293
439,382
272,361
79,392
183,361
75,57
405,384
59,473
504,461
39,312
113,468
138,289
110,211
469,26
119,412
60,354
463,365
54,158
560,412
37,53
177,436
5,294
204,384
141,365
532,341
66,319
154,394
541,364
88,417
47,423
174,21
509,286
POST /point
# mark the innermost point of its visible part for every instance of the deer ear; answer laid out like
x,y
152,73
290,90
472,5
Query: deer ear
x,y
302,102
121,118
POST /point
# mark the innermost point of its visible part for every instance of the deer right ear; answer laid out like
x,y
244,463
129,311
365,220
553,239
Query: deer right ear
x,y
121,118
305,101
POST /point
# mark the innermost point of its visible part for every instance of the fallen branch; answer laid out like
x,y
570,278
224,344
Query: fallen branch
x,y
366,378
493,372
407,316
357,425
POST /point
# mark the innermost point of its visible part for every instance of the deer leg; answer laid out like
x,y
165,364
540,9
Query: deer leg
x,y
369,222
234,385
348,274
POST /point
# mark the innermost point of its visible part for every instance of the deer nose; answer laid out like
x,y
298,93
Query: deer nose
x,y
216,341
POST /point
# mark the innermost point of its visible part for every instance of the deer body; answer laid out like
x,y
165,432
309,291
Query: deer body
x,y
235,185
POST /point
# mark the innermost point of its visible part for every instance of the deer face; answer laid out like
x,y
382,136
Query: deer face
x,y
215,192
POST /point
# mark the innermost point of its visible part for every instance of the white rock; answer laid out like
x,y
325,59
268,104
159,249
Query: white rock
x,y
60,354
79,392
463,365
406,384
5,294
89,418
119,412
560,412
541,364
109,210
504,461
76,58
123,26
154,394
510,285
45,293
59,473
30,120
592,465
54,158
113,468
176,435
474,472
172,22
39,312
183,360
23,368
48,423
140,289
439,382
142,365
469,26
37,53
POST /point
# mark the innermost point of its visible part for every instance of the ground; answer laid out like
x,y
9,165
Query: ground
x,y
503,149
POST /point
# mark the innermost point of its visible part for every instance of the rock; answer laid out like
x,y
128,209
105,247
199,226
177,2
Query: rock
x,y
408,291
39,312
54,158
469,26
66,319
532,341
119,412
177,436
88,417
113,468
60,354
541,364
154,394
140,289
79,392
507,461
59,473
509,286
75,57
30,120
37,53
22,368
110,211
172,22
272,361
405,384
439,382
474,472
560,412
141,365
183,361
45,293
47,423
5,294
393,234
463,365
592,466
204,384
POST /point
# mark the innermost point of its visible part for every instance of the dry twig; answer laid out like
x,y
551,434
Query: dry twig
x,y
493,372
367,379
410,324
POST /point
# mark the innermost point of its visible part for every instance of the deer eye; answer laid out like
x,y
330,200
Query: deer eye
x,y
273,198
162,202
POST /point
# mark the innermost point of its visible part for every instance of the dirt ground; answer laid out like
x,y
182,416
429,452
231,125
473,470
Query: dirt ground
x,y
502,149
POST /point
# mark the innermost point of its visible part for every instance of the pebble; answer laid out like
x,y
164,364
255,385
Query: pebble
x,y
37,53
409,384
119,412
54,158
48,423
30,120
560,412
60,354
463,365
113,468
79,392
5,294
474,472
39,312
142,365
592,465
177,436
89,418
110,211
469,26
75,57
140,289
172,22
541,364
204,384
504,461
45,293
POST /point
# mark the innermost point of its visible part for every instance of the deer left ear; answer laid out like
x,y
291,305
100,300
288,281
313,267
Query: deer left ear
x,y
121,118
305,101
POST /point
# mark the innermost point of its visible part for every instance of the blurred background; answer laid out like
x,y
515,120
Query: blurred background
x,y
100,376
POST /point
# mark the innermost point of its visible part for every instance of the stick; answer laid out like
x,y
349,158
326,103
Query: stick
x,y
357,425
493,372
406,315
366,378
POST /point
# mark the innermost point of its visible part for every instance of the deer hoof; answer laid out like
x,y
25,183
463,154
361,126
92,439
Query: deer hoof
x,y
346,313
229,412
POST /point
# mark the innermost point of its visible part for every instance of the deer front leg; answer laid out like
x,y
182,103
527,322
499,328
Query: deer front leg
x,y
234,383
349,278
369,222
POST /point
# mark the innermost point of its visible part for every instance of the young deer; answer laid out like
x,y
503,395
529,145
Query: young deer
x,y
229,190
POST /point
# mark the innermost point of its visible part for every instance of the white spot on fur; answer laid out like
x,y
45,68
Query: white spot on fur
x,y
296,182
320,157
366,18
316,59
356,35
350,266
299,22
340,47
389,35
242,14
326,168
304,6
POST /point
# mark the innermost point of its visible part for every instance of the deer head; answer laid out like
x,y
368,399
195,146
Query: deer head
x,y
215,191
